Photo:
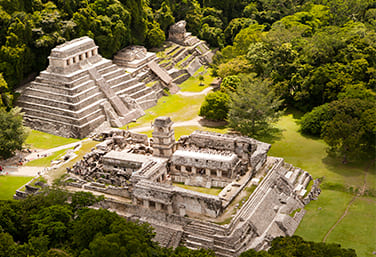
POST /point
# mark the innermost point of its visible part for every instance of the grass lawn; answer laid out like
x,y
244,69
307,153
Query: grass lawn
x,y
358,229
177,107
46,162
310,154
322,214
41,140
193,83
9,185
209,191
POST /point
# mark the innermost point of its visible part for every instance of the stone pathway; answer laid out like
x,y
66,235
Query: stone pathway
x,y
361,193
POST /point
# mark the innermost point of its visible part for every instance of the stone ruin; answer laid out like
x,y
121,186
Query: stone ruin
x,y
81,91
139,177
179,34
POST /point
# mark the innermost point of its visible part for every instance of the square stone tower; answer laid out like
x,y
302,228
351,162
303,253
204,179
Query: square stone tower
x,y
163,137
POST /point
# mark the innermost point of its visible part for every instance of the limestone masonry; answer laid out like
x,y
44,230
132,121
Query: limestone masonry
x,y
142,179
80,90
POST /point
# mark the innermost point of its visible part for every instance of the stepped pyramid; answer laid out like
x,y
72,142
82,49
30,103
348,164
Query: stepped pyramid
x,y
182,55
80,91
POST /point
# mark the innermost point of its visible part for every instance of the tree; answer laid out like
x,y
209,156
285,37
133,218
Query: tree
x,y
12,132
215,106
350,130
230,83
253,107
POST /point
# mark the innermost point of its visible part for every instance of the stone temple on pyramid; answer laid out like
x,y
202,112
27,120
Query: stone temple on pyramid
x,y
80,91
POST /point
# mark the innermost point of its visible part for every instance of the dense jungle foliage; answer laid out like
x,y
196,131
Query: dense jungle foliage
x,y
310,52
46,225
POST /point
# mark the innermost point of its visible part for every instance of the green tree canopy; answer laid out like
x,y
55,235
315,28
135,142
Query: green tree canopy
x,y
12,132
215,106
253,107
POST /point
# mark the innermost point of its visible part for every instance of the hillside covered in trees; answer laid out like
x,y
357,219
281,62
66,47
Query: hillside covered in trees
x,y
317,56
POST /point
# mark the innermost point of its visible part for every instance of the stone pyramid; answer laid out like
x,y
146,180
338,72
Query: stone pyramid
x,y
80,90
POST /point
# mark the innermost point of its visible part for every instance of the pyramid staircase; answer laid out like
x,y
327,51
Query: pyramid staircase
x,y
72,98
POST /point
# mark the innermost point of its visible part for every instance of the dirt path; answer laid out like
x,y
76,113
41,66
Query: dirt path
x,y
361,193
203,92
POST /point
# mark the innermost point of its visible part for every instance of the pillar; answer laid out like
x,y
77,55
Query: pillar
x,y
194,170
158,206
219,173
169,209
207,171
182,168
146,203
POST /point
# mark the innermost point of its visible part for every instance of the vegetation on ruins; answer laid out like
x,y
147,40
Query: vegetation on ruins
x,y
47,225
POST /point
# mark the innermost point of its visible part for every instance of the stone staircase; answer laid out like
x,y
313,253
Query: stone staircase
x,y
69,104
257,220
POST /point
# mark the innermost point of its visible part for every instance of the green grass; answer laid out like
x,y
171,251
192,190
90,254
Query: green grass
x,y
41,140
177,107
193,83
310,154
322,214
46,161
209,191
357,229
9,185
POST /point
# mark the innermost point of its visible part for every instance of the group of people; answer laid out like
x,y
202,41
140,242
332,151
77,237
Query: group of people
x,y
2,172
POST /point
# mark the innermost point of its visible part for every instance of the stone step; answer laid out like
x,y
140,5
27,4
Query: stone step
x,y
117,80
255,198
124,85
79,96
174,73
55,110
132,89
181,49
181,55
63,105
113,74
61,89
77,120
189,60
141,93
181,78
108,69
172,49
61,128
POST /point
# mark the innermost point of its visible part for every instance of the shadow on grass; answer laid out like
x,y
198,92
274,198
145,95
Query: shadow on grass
x,y
213,124
270,136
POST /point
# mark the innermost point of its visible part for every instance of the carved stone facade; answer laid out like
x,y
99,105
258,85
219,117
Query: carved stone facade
x,y
144,173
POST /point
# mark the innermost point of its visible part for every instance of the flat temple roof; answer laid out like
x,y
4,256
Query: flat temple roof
x,y
205,156
124,156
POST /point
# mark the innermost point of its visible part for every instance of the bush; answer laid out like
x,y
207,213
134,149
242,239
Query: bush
x,y
215,106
